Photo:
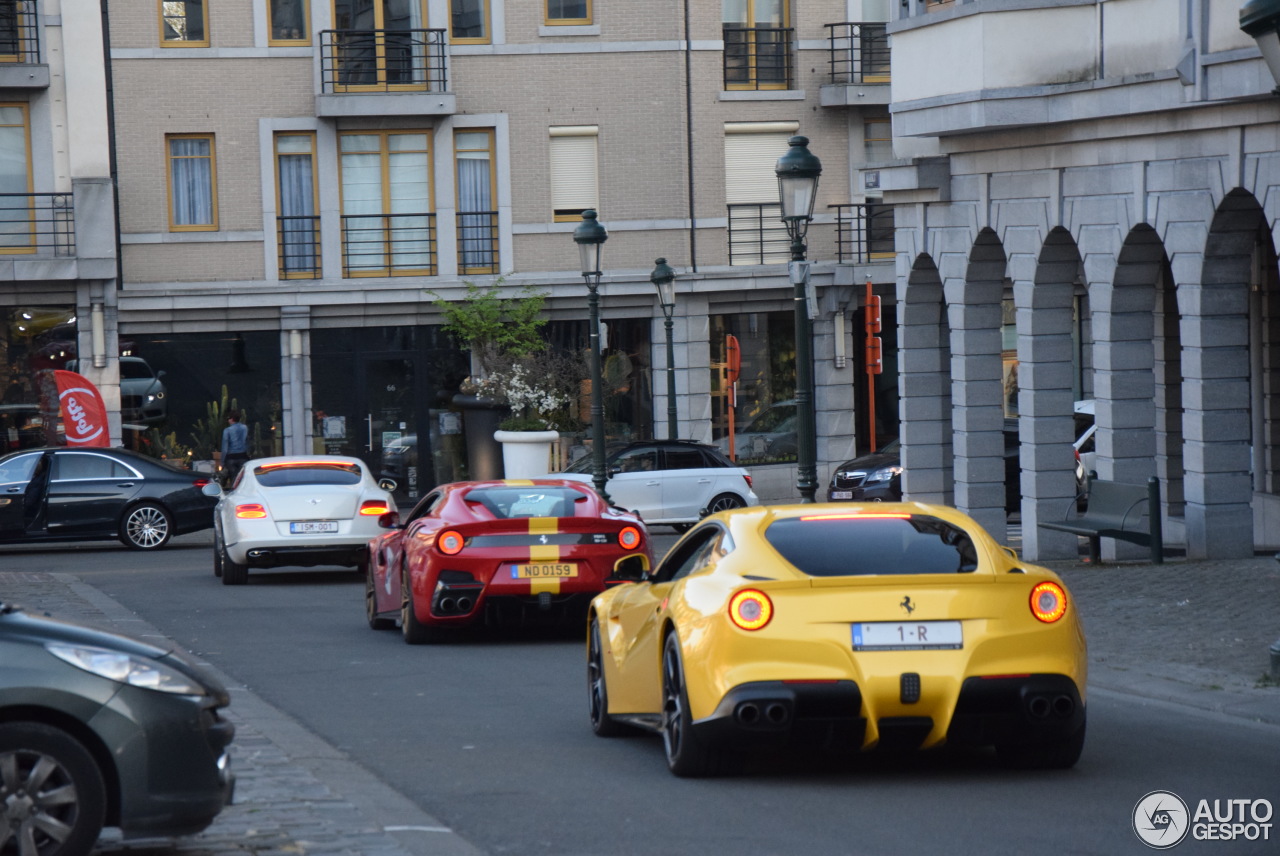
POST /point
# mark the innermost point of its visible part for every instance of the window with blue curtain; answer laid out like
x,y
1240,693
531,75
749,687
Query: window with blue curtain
x,y
299,225
477,219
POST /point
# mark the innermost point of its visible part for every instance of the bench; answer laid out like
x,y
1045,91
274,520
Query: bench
x,y
1116,510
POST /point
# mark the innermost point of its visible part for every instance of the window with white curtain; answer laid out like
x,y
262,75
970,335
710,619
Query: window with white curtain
x,y
477,208
298,226
387,222
193,199
574,179
15,178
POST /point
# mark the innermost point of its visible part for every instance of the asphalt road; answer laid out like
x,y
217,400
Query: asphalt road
x,y
489,733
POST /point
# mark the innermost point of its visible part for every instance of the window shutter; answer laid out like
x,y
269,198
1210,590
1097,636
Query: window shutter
x,y
574,186
751,151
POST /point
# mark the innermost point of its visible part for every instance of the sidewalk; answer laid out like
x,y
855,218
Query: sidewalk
x,y
1190,633
294,793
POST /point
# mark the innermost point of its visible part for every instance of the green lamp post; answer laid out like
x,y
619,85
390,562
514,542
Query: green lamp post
x,y
798,171
590,237
664,279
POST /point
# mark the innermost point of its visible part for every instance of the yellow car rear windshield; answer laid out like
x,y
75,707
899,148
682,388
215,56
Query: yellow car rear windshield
x,y
844,545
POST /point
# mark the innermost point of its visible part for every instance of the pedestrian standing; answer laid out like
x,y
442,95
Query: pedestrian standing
x,y
235,446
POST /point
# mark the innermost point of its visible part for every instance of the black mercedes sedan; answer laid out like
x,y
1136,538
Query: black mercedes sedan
x,y
101,730
73,494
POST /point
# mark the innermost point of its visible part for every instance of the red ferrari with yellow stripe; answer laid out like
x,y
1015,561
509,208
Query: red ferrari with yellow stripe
x,y
511,552
838,629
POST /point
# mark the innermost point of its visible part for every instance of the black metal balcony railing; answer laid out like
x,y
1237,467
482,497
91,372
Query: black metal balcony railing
x,y
757,57
383,60
859,53
388,245
298,244
43,223
19,35
757,235
478,241
864,231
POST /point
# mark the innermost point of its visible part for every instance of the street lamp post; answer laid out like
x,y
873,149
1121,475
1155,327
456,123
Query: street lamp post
x,y
798,171
590,237
664,279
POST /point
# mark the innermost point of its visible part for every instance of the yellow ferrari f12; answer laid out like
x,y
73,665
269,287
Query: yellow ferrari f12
x,y
840,628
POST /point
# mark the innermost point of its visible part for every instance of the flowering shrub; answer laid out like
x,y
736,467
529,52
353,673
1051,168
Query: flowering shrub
x,y
537,401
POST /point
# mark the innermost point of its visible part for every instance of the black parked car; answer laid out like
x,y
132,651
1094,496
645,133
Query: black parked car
x,y
878,477
72,494
102,730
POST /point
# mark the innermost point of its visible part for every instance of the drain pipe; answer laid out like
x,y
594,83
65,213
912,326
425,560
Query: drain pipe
x,y
688,124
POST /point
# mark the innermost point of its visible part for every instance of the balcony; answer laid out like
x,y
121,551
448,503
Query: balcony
x,y
757,235
859,65
758,58
864,232
37,224
477,242
384,73
20,66
388,245
298,247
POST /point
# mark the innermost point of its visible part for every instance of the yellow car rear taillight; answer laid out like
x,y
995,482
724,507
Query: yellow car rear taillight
x,y
1048,602
750,609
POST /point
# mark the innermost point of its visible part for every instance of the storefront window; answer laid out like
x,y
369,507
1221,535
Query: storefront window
x,y
32,338
761,428
175,389
626,371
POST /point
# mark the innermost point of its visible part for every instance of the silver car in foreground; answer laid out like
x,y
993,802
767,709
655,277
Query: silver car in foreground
x,y
302,510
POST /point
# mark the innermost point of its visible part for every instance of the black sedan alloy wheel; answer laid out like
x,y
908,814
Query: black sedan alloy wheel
x,y
146,527
52,798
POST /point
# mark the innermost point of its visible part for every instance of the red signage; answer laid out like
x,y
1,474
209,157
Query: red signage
x,y
84,416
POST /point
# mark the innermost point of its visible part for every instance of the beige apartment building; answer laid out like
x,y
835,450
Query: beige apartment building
x,y
301,181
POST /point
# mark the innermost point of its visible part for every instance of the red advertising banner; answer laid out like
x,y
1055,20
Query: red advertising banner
x,y
84,416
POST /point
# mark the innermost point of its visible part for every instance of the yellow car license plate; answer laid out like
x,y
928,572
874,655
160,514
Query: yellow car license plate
x,y
543,570
907,635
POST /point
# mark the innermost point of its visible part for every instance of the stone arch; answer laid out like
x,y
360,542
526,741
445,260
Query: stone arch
x,y
924,385
1231,341
975,315
1046,311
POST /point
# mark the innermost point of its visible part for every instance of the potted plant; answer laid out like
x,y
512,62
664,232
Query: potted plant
x,y
502,326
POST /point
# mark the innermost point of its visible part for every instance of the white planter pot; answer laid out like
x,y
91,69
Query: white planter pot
x,y
526,454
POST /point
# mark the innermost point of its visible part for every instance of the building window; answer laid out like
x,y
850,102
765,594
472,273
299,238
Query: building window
x,y
568,12
877,138
288,22
477,207
388,227
18,39
184,24
757,44
761,427
297,223
16,201
751,151
469,22
574,180
193,181
380,44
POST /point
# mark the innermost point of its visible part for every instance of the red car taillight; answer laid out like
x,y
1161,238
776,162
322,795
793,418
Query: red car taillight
x,y
250,511
450,542
750,609
1048,602
748,480
374,508
629,538
199,482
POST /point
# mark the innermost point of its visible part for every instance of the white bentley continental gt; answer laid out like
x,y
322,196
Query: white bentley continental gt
x,y
303,510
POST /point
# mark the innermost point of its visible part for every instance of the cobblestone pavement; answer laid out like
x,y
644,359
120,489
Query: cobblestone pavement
x,y
1191,633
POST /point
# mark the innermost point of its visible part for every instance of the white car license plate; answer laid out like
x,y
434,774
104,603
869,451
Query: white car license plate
x,y
907,635
842,494
313,527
